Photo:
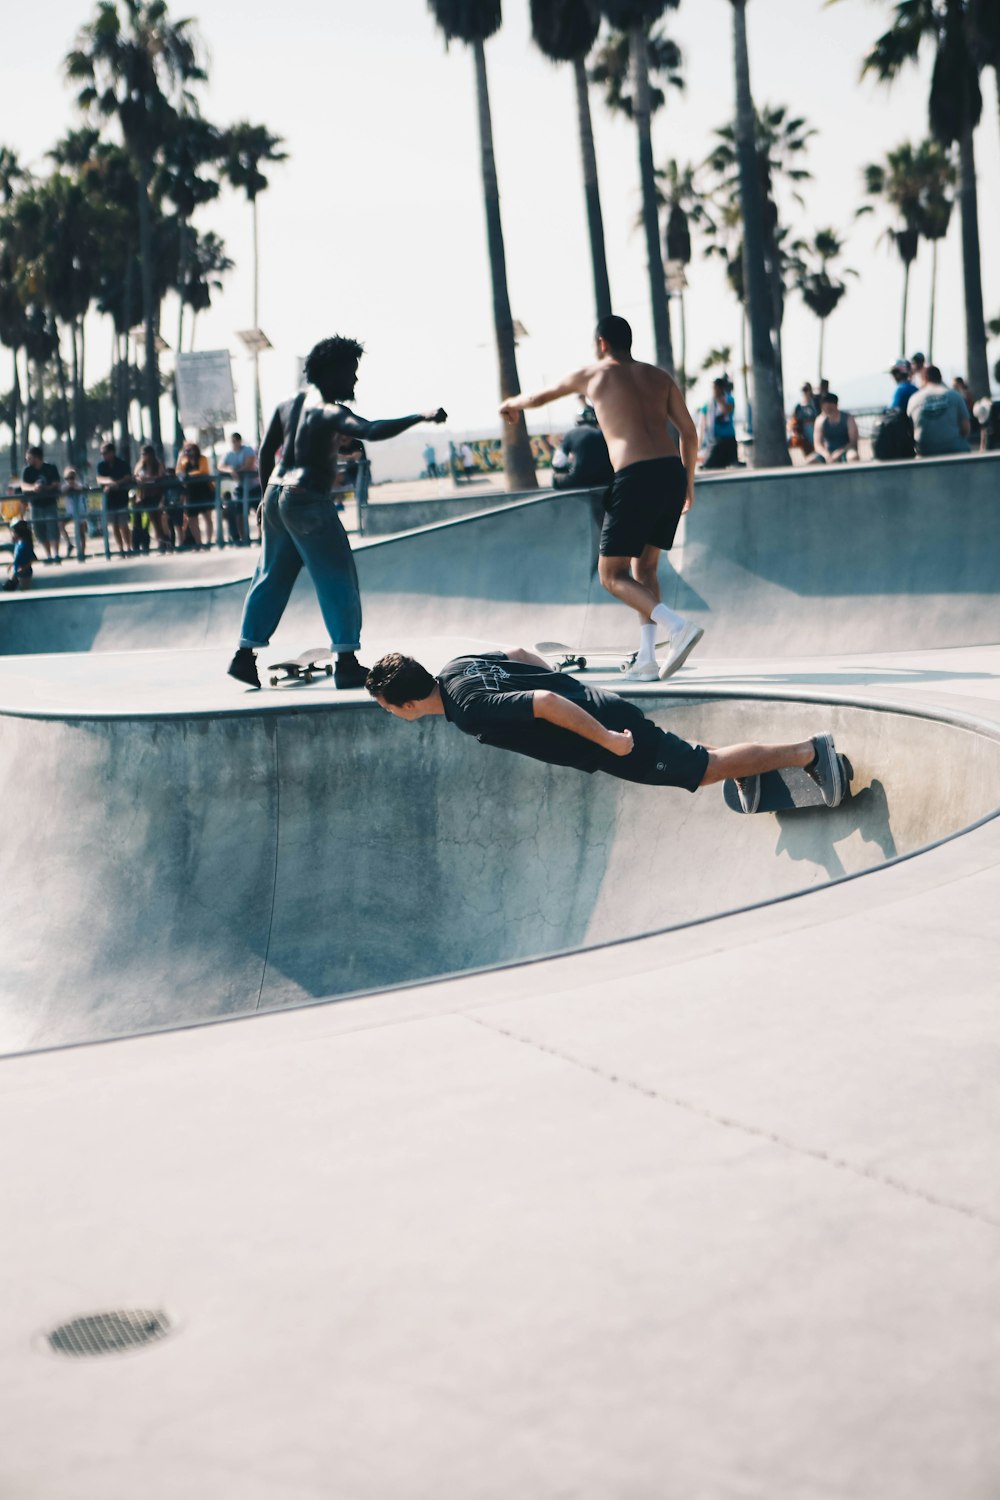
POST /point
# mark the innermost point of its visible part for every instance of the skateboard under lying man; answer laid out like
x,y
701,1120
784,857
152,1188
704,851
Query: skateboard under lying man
x,y
515,701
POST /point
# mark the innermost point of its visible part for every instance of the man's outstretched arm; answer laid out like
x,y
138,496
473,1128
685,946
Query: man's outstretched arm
x,y
573,385
351,425
565,714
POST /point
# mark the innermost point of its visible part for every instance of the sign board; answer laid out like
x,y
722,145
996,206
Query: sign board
x,y
205,395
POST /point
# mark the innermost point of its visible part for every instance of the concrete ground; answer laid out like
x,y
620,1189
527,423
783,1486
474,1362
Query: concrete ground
x,y
709,1213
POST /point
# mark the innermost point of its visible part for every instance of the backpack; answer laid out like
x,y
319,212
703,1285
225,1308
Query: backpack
x,y
893,437
992,428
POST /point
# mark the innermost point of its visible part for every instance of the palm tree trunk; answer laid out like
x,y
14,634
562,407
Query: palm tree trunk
x,y
747,407
182,281
519,467
769,448
650,212
152,373
930,332
63,405
906,299
978,372
595,221
16,446
257,409
822,336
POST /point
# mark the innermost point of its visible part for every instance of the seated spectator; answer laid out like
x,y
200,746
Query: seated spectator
x,y
582,460
74,493
905,388
940,418
149,472
802,423
198,490
40,482
718,448
959,385
112,471
836,433
240,463
352,455
20,572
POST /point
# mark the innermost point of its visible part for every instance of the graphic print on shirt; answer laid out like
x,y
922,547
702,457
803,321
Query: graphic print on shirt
x,y
489,673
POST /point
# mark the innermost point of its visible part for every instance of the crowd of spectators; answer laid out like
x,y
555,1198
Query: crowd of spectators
x,y
150,505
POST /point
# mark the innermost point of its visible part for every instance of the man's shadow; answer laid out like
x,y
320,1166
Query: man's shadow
x,y
813,834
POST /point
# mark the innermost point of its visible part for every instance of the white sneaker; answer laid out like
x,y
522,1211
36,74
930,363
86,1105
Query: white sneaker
x,y
642,671
681,646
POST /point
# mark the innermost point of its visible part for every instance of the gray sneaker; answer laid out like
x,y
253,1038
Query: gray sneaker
x,y
748,791
827,771
681,646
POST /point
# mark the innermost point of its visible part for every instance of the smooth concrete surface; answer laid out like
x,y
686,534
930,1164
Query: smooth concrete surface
x,y
880,557
235,820
384,518
707,1214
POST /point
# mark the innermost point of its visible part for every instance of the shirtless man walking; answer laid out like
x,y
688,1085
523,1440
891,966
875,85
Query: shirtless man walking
x,y
652,488
299,523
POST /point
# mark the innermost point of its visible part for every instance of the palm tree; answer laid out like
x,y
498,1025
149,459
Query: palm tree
x,y
636,17
474,22
135,66
770,447
821,291
12,329
936,171
207,264
955,108
565,30
898,182
245,148
984,19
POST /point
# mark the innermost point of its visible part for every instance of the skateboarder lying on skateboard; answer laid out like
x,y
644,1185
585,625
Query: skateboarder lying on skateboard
x,y
513,699
652,488
299,521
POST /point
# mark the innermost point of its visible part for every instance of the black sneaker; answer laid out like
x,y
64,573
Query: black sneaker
x,y
244,667
748,791
349,673
827,771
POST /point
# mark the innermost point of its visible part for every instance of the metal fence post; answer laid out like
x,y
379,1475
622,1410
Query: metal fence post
x,y
104,523
220,540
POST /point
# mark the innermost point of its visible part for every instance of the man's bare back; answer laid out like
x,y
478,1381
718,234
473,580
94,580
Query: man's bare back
x,y
633,402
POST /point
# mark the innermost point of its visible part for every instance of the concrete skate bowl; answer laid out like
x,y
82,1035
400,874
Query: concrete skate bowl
x,y
879,557
191,869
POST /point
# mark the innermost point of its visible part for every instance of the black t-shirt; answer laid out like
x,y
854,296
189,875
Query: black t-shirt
x,y
490,696
47,474
114,468
589,461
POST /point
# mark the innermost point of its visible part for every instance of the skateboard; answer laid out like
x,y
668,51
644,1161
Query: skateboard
x,y
305,667
572,659
781,791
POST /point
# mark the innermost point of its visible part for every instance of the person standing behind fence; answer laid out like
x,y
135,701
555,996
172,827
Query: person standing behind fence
x,y
240,463
149,473
74,493
111,471
40,482
198,489
300,525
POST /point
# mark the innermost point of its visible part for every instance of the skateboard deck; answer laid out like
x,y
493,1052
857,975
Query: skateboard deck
x,y
781,791
303,668
576,658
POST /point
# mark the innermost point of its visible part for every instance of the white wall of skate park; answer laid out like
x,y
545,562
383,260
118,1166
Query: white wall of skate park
x,y
866,557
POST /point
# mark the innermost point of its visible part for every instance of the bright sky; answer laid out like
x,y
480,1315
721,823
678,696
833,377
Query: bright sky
x,y
375,226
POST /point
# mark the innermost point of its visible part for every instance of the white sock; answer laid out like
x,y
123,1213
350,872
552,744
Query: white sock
x,y
647,643
670,621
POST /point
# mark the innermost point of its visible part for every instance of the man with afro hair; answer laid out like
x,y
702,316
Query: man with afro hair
x,y
299,520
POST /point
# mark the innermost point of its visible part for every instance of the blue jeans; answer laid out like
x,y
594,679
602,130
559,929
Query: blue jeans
x,y
302,526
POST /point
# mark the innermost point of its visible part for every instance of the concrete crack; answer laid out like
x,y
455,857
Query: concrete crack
x,y
838,1163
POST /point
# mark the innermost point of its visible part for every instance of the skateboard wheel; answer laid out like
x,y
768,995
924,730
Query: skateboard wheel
x,y
328,669
274,681
581,662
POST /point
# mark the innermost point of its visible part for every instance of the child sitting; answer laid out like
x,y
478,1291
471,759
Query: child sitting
x,y
20,572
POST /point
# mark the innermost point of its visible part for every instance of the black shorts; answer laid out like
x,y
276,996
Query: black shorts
x,y
658,758
643,507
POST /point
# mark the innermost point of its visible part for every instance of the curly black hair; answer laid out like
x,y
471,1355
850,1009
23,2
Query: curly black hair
x,y
399,679
329,361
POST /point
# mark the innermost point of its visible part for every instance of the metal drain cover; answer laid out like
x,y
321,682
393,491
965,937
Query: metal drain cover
x,y
109,1332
